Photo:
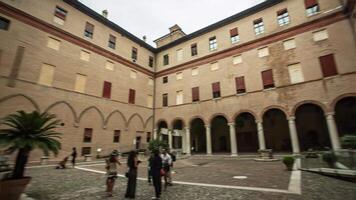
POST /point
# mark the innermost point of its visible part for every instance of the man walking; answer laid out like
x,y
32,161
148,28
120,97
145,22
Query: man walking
x,y
74,156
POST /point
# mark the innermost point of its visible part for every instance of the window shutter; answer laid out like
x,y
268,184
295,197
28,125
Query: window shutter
x,y
234,32
282,11
267,78
89,27
60,13
165,99
328,65
257,21
112,39
107,89
310,3
88,132
216,87
132,95
240,83
195,94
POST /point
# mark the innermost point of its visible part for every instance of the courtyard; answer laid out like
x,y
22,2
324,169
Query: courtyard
x,y
194,178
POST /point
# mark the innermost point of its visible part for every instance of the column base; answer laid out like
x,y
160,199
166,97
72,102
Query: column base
x,y
234,155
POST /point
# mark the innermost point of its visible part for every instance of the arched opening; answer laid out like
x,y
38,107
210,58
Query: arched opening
x,y
163,131
220,135
178,132
345,116
198,136
312,128
246,133
276,130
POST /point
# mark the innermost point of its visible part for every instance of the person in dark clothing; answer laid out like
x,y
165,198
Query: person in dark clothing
x,y
132,163
156,167
74,156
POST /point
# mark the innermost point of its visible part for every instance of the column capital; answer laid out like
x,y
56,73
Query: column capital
x,y
330,114
258,121
187,128
291,118
231,124
207,126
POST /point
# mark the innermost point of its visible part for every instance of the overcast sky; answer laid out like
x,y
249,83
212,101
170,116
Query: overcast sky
x,y
153,17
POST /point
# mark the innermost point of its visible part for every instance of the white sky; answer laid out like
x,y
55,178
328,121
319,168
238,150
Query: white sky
x,y
153,17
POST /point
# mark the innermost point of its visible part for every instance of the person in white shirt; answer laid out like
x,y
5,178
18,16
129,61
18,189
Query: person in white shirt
x,y
166,164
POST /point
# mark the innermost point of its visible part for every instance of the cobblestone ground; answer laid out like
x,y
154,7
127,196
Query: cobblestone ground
x,y
70,184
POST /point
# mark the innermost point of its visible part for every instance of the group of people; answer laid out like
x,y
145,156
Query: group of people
x,y
62,163
159,165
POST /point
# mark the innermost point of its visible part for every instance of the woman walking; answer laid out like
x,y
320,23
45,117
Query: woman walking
x,y
111,167
132,163
156,167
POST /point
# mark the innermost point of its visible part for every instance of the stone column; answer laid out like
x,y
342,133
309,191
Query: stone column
x,y
293,135
208,140
233,139
187,143
170,139
184,141
261,136
334,135
155,134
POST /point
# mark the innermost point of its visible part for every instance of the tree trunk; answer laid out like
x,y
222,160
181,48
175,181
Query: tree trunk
x,y
20,164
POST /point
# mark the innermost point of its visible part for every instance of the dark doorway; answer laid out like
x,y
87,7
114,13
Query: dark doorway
x,y
345,116
198,136
220,135
138,143
177,140
163,126
246,133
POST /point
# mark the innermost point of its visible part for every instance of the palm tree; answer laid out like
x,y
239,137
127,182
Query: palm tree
x,y
26,132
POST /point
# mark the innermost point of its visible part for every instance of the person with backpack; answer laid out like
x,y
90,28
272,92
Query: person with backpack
x,y
111,172
155,163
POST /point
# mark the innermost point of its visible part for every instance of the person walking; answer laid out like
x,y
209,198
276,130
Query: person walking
x,y
149,174
156,167
132,164
74,156
111,168
166,163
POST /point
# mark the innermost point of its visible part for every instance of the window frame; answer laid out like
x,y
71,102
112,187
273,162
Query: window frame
x,y
213,43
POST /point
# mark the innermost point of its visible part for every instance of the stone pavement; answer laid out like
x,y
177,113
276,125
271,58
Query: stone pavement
x,y
70,184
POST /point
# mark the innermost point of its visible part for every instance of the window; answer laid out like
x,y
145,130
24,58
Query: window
x,y
214,66
86,151
150,101
234,35
165,79
89,30
179,76
150,61
117,136
289,44
195,94
283,17
134,54
216,89
195,71
194,49
263,52
59,15
112,42
213,44
107,89
148,137
132,94
311,7
165,100
53,43
267,78
150,81
259,26
84,55
80,82
166,59
179,55
46,75
88,133
320,35
179,98
133,74
4,23
240,85
295,73
109,65
237,59
328,65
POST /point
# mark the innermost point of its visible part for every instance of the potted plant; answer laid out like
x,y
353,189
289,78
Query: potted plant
x,y
23,133
289,162
156,145
330,158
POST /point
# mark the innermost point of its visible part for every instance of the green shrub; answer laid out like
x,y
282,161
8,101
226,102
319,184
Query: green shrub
x,y
348,141
288,160
156,145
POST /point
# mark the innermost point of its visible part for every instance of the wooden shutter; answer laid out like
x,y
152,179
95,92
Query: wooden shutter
x,y
165,99
234,32
195,94
257,21
89,27
60,13
310,3
240,84
328,65
132,95
112,39
216,87
282,11
267,78
88,132
107,89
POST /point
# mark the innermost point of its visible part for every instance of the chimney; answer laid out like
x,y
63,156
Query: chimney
x,y
174,28
144,38
105,13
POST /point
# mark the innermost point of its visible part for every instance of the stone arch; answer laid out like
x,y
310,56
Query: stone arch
x,y
113,113
92,108
345,114
139,117
337,99
64,103
160,121
197,117
246,131
220,134
219,114
178,119
147,121
245,111
284,110
33,102
317,103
